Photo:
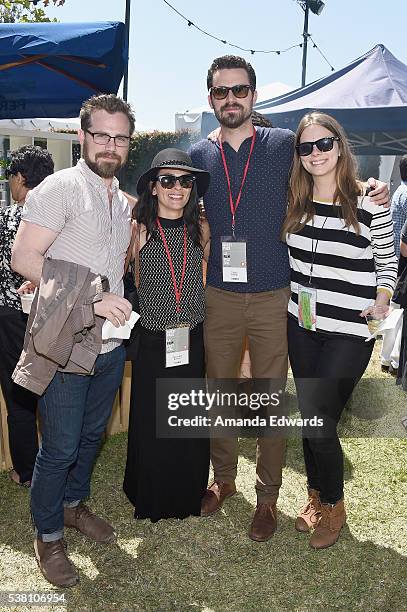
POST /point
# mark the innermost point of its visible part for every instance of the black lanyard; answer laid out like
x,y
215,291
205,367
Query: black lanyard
x,y
314,251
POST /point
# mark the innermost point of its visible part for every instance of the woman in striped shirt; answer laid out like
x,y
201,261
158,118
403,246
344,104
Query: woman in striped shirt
x,y
343,268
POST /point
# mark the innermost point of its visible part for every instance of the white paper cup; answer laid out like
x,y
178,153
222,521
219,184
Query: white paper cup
x,y
26,302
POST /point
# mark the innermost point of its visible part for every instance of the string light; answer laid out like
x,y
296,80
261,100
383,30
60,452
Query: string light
x,y
225,42
315,46
251,51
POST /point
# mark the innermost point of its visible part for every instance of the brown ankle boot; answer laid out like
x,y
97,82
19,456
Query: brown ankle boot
x,y
264,522
332,520
92,526
54,564
309,515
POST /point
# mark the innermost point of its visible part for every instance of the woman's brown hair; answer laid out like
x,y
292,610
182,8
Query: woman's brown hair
x,y
300,195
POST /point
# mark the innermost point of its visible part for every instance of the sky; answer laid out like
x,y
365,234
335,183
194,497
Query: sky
x,y
169,60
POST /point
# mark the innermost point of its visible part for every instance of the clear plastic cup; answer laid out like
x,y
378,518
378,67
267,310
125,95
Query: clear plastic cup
x,y
26,302
375,317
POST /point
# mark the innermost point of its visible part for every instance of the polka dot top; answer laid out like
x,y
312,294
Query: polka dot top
x,y
156,290
261,211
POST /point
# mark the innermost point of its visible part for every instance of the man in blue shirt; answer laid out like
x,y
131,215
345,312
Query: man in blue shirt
x,y
248,270
390,352
399,205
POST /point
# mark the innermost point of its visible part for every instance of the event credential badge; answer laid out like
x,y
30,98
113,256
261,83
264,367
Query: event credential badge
x,y
176,346
234,260
307,307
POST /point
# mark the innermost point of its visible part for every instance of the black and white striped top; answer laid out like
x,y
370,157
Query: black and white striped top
x,y
348,268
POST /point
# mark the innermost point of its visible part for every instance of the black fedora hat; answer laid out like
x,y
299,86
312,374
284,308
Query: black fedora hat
x,y
174,158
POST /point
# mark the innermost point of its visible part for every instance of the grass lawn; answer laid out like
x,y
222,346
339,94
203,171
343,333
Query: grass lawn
x,y
211,565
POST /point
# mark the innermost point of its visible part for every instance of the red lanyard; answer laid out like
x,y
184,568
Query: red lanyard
x,y
234,205
177,290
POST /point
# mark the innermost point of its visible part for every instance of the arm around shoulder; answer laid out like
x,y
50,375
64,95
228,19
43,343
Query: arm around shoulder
x,y
205,231
403,240
205,237
132,200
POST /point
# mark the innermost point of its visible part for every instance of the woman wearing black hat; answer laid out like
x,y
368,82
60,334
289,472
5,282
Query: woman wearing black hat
x,y
166,478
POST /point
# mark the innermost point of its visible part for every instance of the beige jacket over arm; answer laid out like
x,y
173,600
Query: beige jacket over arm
x,y
63,333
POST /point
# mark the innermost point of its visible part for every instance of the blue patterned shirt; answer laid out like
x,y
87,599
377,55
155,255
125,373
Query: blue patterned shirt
x,y
399,213
261,211
403,235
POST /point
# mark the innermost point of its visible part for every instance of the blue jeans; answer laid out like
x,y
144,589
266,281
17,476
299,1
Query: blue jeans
x,y
73,412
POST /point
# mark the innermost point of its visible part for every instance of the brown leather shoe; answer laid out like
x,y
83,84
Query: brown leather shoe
x,y
54,564
308,517
329,527
264,522
215,495
92,526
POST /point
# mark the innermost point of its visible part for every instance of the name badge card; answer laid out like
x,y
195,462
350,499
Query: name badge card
x,y
234,260
176,346
307,307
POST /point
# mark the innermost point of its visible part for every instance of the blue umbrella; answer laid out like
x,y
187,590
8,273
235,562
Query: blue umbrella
x,y
49,69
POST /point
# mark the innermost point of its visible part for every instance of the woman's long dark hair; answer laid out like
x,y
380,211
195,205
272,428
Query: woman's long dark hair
x,y
146,211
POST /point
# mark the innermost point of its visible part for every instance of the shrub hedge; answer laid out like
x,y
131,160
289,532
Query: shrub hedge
x,y
145,145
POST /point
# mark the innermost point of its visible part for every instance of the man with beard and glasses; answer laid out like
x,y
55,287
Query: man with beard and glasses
x,y
78,215
248,272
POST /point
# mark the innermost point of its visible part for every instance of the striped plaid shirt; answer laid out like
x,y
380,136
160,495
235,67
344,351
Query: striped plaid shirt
x,y
74,203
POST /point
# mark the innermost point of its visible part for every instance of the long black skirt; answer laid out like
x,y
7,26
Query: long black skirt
x,y
164,478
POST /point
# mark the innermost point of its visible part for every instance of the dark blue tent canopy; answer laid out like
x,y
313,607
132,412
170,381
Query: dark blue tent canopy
x,y
368,97
49,69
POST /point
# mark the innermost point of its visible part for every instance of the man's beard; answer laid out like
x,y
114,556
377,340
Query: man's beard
x,y
234,120
103,168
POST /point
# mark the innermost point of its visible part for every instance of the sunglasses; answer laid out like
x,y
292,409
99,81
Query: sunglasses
x,y
168,181
239,91
323,145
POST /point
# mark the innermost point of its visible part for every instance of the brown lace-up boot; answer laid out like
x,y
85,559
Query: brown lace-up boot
x,y
92,526
264,522
54,563
332,520
309,514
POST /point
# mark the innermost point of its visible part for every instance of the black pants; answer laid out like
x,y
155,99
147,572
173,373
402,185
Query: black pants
x,y
21,404
326,369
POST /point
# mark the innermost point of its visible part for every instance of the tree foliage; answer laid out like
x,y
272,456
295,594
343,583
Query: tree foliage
x,y
25,11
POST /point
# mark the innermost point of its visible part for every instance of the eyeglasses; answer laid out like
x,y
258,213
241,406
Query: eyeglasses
x,y
101,138
322,144
168,181
239,91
